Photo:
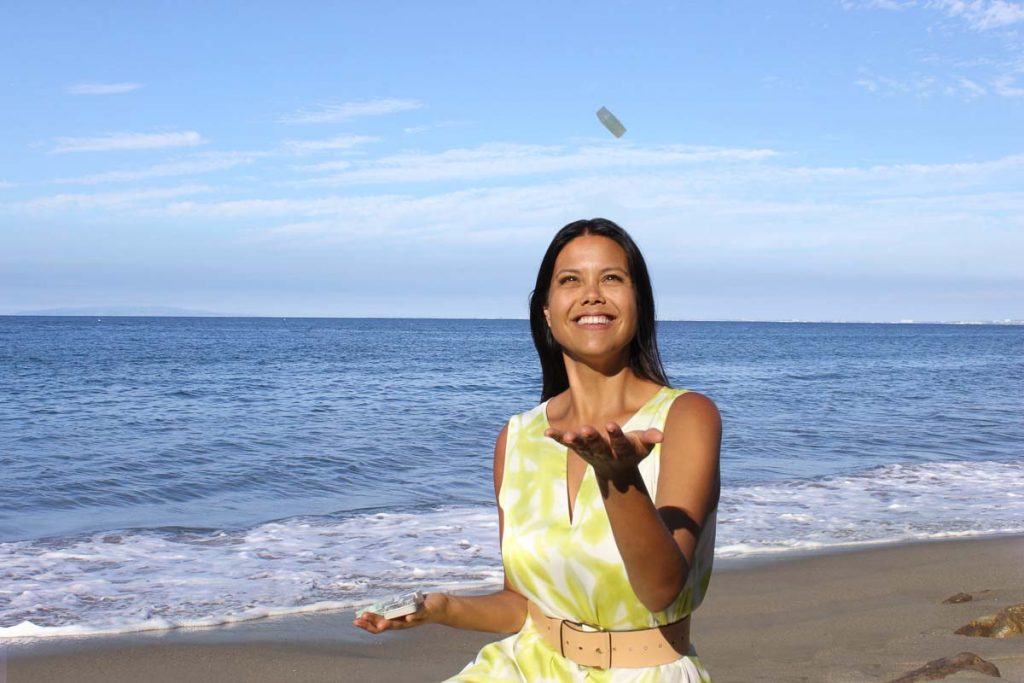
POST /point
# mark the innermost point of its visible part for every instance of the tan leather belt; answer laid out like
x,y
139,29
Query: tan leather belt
x,y
613,649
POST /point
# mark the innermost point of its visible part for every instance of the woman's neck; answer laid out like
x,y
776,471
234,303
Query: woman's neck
x,y
596,396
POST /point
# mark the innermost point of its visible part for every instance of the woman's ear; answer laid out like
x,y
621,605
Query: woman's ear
x,y
547,316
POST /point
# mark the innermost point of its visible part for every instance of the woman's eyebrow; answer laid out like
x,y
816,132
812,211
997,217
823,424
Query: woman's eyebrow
x,y
576,270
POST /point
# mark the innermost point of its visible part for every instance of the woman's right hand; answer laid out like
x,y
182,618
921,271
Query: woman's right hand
x,y
431,611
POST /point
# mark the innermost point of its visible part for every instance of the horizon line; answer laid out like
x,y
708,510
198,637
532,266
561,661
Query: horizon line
x,y
1003,322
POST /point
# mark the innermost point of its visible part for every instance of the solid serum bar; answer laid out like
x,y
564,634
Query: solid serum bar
x,y
395,607
610,122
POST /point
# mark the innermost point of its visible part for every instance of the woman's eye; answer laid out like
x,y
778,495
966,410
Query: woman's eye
x,y
566,278
614,277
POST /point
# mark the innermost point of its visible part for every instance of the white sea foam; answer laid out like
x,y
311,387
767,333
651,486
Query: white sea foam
x,y
898,502
141,580
151,579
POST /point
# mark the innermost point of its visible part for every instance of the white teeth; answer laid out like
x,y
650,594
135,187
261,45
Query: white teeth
x,y
593,320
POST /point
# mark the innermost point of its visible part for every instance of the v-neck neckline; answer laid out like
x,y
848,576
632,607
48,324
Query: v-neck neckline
x,y
572,511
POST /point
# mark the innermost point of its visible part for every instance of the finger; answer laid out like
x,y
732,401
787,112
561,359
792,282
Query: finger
x,y
565,438
651,437
620,443
590,436
380,624
555,434
645,441
375,623
586,438
363,622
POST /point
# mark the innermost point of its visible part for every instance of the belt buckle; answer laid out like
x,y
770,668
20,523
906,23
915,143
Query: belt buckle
x,y
586,657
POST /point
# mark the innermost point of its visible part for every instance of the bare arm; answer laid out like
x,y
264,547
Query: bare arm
x,y
656,538
501,612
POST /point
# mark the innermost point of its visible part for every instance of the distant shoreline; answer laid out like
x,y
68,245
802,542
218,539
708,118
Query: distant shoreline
x,y
200,314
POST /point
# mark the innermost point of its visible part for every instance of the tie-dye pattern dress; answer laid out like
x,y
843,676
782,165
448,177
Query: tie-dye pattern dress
x,y
573,569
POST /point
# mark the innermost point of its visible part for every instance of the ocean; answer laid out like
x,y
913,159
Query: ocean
x,y
158,473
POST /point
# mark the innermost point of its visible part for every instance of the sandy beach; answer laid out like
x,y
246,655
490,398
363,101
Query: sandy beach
x,y
866,615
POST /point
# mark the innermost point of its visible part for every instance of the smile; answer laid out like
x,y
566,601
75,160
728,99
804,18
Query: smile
x,y
593,320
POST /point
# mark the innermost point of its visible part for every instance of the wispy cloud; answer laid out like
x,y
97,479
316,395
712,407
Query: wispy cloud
x,y
966,89
127,141
497,160
878,4
207,163
455,215
1007,86
346,111
917,84
338,165
415,130
330,144
979,15
750,200
922,86
5,184
868,84
102,88
109,200
988,60
967,216
672,214
982,15
751,189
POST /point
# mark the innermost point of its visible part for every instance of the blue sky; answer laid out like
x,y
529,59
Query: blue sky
x,y
830,160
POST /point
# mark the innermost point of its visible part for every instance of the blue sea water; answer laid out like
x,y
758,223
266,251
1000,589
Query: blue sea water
x,y
163,472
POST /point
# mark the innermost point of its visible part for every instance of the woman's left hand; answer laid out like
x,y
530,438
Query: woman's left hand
x,y
613,458
432,610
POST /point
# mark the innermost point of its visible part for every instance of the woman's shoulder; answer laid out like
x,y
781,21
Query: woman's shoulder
x,y
692,410
688,397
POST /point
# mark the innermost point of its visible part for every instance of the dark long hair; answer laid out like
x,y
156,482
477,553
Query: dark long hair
x,y
644,359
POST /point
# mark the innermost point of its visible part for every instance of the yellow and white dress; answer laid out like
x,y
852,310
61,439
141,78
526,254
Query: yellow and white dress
x,y
573,569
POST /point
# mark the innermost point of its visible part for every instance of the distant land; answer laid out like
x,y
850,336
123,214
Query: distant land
x,y
130,311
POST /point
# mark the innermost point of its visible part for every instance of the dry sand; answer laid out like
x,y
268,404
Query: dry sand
x,y
868,615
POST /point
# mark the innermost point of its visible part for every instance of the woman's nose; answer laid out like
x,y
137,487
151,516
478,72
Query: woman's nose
x,y
592,293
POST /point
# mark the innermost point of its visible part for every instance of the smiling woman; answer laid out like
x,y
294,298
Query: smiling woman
x,y
606,491
591,310
624,261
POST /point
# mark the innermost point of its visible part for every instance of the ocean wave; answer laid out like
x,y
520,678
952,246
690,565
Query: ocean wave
x,y
885,504
174,577
146,579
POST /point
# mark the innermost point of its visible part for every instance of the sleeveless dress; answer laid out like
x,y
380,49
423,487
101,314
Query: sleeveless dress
x,y
573,569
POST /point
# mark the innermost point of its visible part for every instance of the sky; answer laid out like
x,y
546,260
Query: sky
x,y
827,160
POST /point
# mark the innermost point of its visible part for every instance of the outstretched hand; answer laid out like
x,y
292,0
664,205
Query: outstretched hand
x,y
433,606
613,458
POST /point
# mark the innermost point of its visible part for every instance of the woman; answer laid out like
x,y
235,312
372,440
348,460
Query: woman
x,y
606,491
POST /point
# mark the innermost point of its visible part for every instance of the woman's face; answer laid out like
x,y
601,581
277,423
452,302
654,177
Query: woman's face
x,y
591,307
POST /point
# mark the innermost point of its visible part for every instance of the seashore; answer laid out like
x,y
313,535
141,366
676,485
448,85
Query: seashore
x,y
859,615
